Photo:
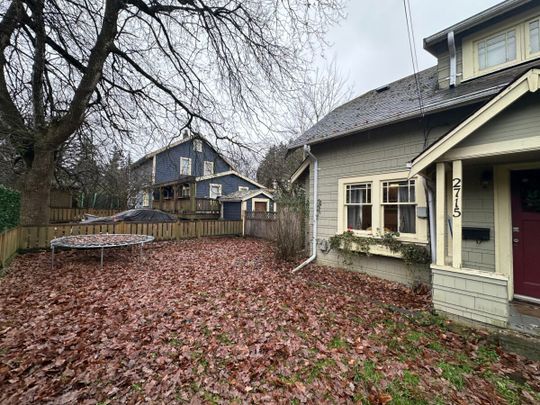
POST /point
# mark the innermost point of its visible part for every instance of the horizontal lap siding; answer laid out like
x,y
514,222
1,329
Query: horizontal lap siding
x,y
478,212
381,151
521,120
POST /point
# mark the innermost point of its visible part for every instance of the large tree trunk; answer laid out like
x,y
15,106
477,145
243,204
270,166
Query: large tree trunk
x,y
36,190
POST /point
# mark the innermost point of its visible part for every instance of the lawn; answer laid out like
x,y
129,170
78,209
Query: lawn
x,y
220,321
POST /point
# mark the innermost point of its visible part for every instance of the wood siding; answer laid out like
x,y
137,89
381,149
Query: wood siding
x,y
521,120
381,151
443,67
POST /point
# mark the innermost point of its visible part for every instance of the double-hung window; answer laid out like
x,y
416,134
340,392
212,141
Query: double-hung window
x,y
497,50
208,168
186,191
358,206
399,206
185,166
215,190
534,36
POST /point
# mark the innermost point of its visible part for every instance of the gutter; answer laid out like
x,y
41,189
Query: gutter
x,y
313,256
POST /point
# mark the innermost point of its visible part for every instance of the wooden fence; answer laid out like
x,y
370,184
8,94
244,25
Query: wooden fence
x,y
9,244
38,237
260,225
76,214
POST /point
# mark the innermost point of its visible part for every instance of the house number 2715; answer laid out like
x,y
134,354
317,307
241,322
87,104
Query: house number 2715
x,y
456,187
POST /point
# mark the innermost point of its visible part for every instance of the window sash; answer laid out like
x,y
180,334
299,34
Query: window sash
x,y
208,168
185,166
497,49
534,36
358,194
215,190
243,188
405,192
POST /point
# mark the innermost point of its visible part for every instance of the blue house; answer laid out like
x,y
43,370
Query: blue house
x,y
187,177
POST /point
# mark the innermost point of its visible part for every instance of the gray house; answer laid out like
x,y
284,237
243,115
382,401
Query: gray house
x,y
443,164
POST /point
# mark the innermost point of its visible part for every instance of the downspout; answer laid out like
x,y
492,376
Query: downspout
x,y
453,59
313,256
431,214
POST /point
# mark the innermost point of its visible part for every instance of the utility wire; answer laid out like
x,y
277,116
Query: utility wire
x,y
414,60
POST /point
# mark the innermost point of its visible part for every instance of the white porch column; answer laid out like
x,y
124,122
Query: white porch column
x,y
440,210
457,185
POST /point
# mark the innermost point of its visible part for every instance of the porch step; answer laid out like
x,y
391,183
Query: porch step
x,y
520,343
524,317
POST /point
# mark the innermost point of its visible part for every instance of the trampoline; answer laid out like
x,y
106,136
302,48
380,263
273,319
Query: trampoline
x,y
99,241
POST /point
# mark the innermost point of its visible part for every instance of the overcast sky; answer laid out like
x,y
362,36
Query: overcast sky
x,y
371,46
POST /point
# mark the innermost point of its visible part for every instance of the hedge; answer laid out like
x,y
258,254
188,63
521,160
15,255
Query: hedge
x,y
10,208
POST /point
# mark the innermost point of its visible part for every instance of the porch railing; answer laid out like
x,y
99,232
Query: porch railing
x,y
183,205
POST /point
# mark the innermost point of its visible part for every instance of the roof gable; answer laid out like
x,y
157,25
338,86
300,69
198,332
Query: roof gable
x,y
529,82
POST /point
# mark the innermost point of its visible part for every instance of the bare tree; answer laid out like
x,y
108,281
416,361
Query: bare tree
x,y
323,90
132,66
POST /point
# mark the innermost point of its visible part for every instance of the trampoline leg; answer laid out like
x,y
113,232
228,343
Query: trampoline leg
x,y
101,257
52,257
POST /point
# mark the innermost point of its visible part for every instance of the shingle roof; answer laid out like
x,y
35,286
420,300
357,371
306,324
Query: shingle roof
x,y
243,195
400,102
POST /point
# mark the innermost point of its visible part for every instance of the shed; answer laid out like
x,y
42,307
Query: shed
x,y
235,204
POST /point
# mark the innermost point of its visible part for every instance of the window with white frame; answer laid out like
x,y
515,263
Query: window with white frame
x,y
197,145
358,206
399,206
185,166
243,188
534,36
208,168
215,190
146,199
497,49
186,191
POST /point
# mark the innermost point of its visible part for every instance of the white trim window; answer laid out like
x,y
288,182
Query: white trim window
x,y
399,206
214,190
497,49
197,145
185,166
534,36
243,188
146,199
358,206
186,191
208,168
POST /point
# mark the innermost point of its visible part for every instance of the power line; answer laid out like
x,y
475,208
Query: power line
x,y
414,60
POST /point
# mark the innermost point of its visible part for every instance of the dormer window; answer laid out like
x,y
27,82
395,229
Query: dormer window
x,y
534,36
499,47
497,50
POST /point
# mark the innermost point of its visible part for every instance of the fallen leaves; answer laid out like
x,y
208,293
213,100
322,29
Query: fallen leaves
x,y
220,320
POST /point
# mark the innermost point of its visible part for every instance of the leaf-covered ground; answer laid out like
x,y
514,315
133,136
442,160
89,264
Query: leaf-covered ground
x,y
220,321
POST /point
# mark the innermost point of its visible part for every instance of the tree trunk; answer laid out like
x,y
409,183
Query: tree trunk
x,y
36,190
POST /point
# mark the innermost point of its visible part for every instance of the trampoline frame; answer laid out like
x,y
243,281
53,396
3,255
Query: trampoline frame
x,y
63,242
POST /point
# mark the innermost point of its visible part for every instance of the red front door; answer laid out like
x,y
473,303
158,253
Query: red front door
x,y
526,232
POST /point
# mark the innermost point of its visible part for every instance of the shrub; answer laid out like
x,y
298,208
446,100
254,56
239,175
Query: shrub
x,y
10,208
290,224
